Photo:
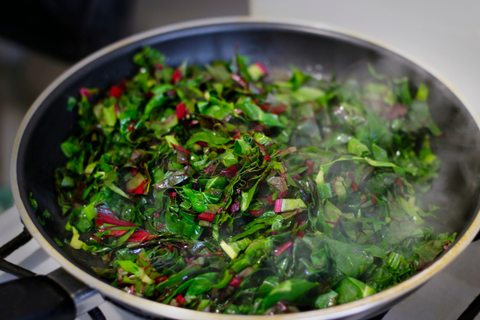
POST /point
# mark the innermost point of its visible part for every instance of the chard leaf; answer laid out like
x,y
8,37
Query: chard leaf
x,y
350,289
356,147
241,147
253,112
326,300
182,226
304,94
349,259
288,290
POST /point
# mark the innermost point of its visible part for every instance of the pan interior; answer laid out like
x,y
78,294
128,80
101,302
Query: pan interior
x,y
278,46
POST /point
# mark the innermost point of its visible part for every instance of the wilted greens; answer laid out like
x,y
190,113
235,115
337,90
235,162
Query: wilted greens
x,y
221,188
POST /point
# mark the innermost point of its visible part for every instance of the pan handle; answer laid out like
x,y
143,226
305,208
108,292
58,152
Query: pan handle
x,y
36,297
58,296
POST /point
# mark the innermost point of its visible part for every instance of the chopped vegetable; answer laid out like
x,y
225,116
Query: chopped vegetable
x,y
282,205
231,188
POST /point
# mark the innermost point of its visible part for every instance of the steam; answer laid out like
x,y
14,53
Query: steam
x,y
457,187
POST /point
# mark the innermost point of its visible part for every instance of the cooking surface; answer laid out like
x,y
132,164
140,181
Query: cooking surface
x,y
446,296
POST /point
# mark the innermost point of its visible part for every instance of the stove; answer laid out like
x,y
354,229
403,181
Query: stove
x,y
451,295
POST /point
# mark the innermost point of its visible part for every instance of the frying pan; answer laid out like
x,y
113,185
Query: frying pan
x,y
278,45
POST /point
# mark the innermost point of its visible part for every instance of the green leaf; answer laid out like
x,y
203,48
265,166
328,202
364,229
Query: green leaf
x,y
325,191
326,300
183,226
304,94
422,92
227,276
201,283
298,77
350,289
116,189
373,250
240,245
356,147
349,259
429,250
89,211
33,202
216,183
241,147
161,89
291,204
155,102
70,147
253,112
402,225
268,285
256,72
229,159
402,90
379,154
161,128
381,164
319,179
149,56
71,103
46,214
200,200
58,242
411,211
173,178
340,191
177,278
135,182
332,214
129,266
110,116
210,137
271,120
232,249
198,204
219,72
337,139
247,197
76,243
249,231
218,111
68,182
288,290
433,128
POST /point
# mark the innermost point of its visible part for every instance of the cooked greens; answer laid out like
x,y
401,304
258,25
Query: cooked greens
x,y
220,189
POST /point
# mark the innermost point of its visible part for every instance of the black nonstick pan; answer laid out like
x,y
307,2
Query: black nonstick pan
x,y
278,45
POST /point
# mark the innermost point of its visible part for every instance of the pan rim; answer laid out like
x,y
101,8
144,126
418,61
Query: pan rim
x,y
159,309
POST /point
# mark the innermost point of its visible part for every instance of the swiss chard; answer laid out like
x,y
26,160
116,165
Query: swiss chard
x,y
217,189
